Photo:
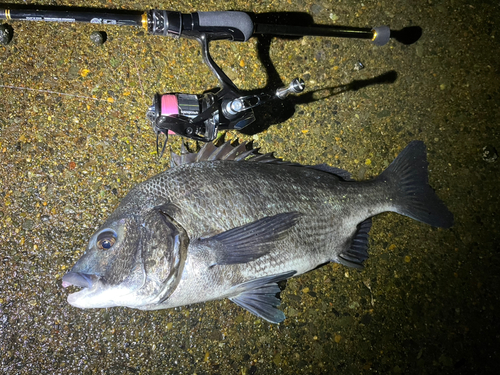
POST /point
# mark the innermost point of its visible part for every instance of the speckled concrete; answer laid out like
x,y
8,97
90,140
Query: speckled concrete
x,y
74,140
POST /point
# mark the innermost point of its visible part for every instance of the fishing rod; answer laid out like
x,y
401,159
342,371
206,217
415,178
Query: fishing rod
x,y
201,116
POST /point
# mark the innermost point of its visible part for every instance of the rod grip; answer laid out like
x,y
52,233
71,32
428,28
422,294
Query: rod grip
x,y
238,24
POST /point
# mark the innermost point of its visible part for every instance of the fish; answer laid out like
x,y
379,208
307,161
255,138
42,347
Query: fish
x,y
231,222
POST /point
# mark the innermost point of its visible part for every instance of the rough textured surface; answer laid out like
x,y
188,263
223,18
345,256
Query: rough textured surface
x,y
73,141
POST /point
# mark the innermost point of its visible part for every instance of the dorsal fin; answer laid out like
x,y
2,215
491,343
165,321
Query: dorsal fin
x,y
206,151
210,152
234,152
228,151
222,150
344,175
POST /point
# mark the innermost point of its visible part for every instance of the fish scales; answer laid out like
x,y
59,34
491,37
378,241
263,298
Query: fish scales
x,y
311,242
245,191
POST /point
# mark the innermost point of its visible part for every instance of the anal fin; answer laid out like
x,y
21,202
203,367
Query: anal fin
x,y
358,251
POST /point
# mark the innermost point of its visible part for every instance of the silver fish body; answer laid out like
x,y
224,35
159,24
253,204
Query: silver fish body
x,y
219,226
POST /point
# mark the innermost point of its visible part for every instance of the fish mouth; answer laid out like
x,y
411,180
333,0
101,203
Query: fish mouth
x,y
82,280
94,293
88,283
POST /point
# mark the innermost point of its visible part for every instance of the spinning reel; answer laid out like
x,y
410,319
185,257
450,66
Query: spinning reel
x,y
200,117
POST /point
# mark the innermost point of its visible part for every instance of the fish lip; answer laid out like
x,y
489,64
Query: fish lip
x,y
79,298
79,279
89,284
93,294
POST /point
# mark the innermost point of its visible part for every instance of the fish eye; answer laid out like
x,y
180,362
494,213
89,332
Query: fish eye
x,y
106,240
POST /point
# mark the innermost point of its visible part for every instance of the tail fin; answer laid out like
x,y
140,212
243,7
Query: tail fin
x,y
415,198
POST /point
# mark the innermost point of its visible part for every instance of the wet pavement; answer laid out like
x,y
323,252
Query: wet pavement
x,y
74,140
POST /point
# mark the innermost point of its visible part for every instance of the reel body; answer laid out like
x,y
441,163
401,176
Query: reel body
x,y
200,117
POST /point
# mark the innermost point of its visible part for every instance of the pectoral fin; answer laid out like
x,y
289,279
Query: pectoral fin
x,y
259,297
251,241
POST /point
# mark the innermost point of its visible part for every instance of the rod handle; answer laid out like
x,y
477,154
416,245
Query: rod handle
x,y
231,25
239,24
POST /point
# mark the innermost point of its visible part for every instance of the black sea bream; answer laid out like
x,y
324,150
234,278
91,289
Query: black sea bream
x,y
232,223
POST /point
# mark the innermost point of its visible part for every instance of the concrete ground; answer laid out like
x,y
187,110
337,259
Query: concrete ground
x,y
74,140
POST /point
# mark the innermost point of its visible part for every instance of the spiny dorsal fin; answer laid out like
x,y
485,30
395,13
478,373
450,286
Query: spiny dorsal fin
x,y
206,151
210,152
227,151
